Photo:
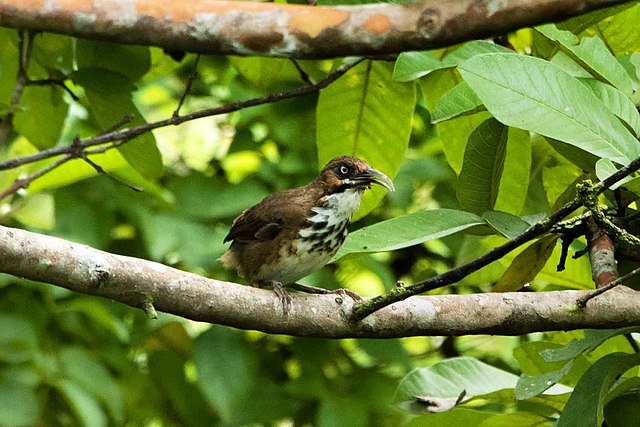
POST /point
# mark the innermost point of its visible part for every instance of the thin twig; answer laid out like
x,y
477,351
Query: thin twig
x,y
303,74
56,82
582,302
363,309
81,153
129,133
25,45
22,183
187,89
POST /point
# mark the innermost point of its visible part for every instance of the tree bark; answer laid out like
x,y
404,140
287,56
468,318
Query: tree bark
x,y
283,30
139,283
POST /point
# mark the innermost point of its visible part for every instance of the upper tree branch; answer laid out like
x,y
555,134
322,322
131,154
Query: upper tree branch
x,y
270,29
147,284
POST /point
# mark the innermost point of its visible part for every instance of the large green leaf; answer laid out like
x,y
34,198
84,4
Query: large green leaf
x,y
366,114
453,133
533,94
526,265
479,180
85,407
457,101
617,102
109,94
408,230
80,367
592,339
448,379
41,115
413,65
514,181
227,369
131,61
592,55
622,37
584,407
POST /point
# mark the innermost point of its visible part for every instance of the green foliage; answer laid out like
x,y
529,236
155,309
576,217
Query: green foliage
x,y
482,141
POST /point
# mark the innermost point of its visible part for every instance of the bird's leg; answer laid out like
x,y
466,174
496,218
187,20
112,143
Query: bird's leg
x,y
315,290
280,291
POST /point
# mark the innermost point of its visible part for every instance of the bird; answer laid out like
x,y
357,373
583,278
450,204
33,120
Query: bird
x,y
292,233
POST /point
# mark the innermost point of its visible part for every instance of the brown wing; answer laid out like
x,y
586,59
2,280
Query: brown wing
x,y
268,218
250,227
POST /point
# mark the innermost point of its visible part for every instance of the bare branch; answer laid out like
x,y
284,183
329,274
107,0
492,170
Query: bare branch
x,y
295,31
152,286
132,132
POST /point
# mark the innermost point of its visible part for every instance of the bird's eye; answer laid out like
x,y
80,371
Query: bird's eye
x,y
344,171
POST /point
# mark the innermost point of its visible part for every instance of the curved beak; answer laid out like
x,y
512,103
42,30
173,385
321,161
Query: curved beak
x,y
374,176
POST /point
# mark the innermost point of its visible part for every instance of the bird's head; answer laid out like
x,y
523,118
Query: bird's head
x,y
348,172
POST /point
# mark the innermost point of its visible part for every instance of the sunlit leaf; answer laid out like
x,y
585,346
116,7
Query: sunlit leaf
x,y
536,95
368,115
526,266
408,230
592,55
584,407
458,101
479,180
617,102
109,95
592,339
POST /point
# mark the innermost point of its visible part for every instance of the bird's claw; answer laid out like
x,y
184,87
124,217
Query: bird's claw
x,y
347,292
283,295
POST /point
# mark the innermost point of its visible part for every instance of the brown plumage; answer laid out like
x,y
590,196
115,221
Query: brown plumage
x,y
292,233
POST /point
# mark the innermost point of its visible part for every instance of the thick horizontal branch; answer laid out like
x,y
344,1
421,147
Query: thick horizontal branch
x,y
138,282
276,29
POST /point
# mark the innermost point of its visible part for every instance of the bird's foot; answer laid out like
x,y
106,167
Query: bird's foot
x,y
281,292
315,290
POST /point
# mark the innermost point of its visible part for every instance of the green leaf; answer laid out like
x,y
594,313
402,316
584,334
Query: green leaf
x,y
479,180
605,168
617,102
533,94
530,386
82,403
506,224
592,55
168,371
195,198
623,410
20,404
38,211
526,265
454,133
514,182
621,37
448,379
132,61
41,115
109,94
592,339
269,74
456,417
459,100
18,339
473,48
413,65
81,368
366,114
227,369
584,407
408,230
